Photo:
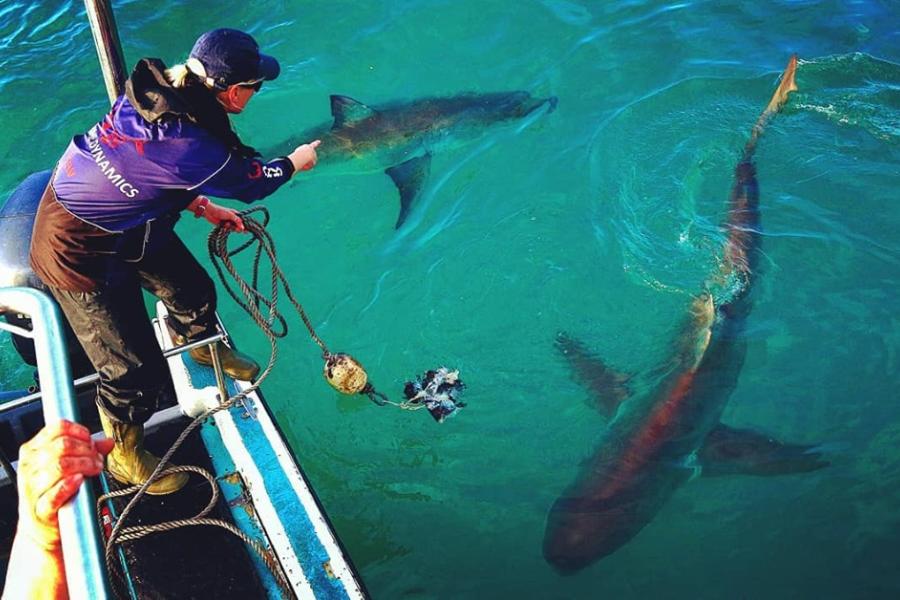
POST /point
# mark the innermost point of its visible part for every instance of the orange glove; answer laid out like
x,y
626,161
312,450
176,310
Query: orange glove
x,y
52,465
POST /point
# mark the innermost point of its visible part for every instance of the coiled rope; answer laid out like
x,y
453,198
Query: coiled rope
x,y
120,533
134,533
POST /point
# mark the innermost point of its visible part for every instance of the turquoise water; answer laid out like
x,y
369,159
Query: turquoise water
x,y
599,219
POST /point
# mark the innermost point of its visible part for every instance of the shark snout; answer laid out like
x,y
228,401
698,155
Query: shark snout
x,y
571,547
564,560
581,530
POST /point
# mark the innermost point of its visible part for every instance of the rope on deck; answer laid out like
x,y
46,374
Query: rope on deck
x,y
127,534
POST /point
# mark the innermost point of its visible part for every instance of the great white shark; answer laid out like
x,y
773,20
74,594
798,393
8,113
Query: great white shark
x,y
657,441
399,138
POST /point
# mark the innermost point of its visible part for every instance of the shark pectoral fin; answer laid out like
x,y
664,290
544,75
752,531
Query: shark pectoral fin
x,y
730,451
346,111
409,177
609,387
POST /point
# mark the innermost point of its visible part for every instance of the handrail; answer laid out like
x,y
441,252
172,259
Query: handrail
x,y
94,377
85,572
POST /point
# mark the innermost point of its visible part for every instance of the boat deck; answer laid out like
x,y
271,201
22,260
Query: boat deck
x,y
193,561
263,493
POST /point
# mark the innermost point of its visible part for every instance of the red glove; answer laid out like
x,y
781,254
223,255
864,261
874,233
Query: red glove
x,y
52,465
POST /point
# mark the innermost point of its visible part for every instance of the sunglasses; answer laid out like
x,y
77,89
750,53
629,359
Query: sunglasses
x,y
253,85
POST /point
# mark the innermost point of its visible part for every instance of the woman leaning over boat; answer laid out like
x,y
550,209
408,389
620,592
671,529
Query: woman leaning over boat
x,y
104,227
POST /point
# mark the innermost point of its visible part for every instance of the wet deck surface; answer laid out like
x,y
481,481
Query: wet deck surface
x,y
190,562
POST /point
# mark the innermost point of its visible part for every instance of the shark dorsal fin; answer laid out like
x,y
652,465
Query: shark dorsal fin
x,y
347,111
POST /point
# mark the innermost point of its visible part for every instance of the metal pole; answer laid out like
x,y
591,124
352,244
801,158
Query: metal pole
x,y
94,377
217,369
85,572
35,397
109,48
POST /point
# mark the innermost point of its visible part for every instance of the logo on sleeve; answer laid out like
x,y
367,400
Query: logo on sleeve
x,y
257,170
271,172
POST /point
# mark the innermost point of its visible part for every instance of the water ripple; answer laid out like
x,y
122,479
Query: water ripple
x,y
377,292
568,12
60,12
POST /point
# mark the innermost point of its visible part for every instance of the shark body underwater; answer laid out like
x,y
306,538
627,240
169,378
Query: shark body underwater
x,y
399,138
657,441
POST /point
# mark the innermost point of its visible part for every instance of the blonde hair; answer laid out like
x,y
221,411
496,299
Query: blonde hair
x,y
182,75
179,76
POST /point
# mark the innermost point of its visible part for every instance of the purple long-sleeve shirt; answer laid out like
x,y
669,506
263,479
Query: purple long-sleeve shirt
x,y
126,171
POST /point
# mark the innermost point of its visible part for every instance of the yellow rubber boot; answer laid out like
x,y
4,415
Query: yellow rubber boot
x,y
130,464
235,364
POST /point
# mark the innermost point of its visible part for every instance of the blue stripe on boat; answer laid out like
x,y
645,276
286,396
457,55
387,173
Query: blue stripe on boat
x,y
311,553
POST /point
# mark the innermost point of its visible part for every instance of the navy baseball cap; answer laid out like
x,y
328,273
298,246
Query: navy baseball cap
x,y
228,56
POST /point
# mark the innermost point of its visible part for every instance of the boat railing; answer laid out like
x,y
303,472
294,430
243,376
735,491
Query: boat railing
x,y
93,378
85,572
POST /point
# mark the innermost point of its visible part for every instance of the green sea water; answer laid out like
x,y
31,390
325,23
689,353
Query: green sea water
x,y
599,219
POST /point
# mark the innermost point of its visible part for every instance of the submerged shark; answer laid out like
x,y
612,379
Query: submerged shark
x,y
399,138
656,442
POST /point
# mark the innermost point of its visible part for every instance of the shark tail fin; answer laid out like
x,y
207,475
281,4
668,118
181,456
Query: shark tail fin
x,y
788,85
779,98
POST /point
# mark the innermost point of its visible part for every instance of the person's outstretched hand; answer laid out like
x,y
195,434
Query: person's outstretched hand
x,y
304,157
52,465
